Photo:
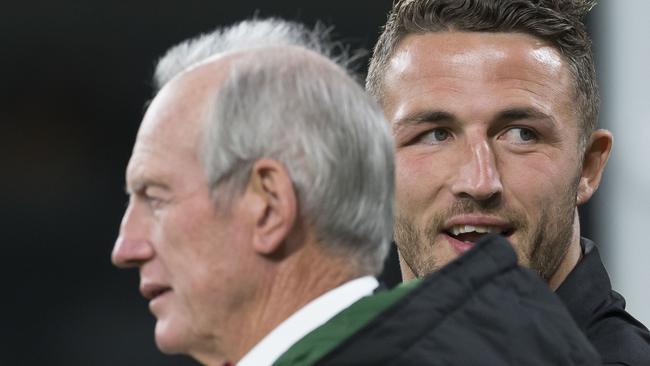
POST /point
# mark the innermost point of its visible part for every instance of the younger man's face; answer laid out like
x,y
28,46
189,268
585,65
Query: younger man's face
x,y
486,137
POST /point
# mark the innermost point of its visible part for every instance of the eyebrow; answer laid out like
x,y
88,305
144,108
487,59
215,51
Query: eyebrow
x,y
522,113
429,116
503,117
139,184
515,114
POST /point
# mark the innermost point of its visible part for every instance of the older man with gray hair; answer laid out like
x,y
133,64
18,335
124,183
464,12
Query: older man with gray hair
x,y
260,210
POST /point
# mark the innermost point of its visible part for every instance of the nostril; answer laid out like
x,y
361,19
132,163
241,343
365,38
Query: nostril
x,y
472,182
486,199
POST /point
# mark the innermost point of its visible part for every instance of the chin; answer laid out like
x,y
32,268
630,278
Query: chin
x,y
170,338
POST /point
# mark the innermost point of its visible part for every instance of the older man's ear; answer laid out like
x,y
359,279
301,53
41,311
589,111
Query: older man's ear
x,y
271,199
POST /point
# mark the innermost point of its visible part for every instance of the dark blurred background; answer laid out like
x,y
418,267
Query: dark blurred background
x,y
74,79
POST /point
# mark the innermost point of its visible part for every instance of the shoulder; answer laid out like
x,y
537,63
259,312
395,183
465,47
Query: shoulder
x,y
481,309
617,335
600,312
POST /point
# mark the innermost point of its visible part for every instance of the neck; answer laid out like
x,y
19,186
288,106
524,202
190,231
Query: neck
x,y
287,287
570,259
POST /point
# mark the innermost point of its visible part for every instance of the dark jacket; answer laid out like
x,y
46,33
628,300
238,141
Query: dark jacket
x,y
481,309
600,312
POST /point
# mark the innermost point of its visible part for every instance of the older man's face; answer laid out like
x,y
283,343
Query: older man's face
x,y
187,252
486,140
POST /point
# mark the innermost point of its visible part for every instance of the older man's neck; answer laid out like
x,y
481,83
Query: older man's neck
x,y
301,279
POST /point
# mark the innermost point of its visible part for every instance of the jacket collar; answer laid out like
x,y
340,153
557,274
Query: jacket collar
x,y
587,286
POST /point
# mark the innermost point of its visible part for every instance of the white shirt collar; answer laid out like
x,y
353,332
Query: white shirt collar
x,y
309,317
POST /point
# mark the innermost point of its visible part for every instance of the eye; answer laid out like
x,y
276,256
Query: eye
x,y
153,201
433,136
520,135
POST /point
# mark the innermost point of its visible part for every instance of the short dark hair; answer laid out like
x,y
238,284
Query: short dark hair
x,y
558,22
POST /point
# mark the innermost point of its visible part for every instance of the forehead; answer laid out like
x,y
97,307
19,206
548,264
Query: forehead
x,y
463,47
175,114
169,135
473,63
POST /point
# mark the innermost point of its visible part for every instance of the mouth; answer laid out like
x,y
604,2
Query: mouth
x,y
152,291
464,236
472,233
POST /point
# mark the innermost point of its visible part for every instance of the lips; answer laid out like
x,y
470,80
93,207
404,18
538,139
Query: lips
x,y
472,233
153,290
462,232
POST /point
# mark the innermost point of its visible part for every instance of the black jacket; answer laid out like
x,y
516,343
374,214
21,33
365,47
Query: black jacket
x,y
481,309
600,312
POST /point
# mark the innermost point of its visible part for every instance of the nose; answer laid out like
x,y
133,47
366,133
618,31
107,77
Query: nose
x,y
478,175
132,247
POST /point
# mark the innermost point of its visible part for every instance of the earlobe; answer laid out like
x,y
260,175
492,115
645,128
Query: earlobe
x,y
276,213
595,158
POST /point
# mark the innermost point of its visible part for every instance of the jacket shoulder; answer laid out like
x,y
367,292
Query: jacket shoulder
x,y
482,309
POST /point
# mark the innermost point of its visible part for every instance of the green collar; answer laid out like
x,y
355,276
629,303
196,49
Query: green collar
x,y
325,338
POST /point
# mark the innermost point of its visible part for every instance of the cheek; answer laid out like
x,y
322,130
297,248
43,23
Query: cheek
x,y
190,246
418,180
198,270
539,180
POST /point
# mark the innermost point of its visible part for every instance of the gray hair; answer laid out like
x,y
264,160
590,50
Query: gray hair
x,y
310,115
250,34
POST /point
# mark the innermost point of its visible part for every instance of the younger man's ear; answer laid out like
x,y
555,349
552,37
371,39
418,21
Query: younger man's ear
x,y
275,207
595,158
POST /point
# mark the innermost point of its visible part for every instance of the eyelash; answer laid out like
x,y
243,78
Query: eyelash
x,y
151,201
432,132
420,137
534,138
